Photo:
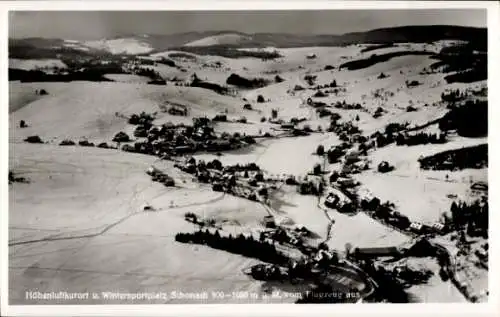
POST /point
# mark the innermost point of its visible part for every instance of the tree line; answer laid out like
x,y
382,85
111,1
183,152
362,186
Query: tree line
x,y
458,159
246,246
239,81
420,138
471,216
469,120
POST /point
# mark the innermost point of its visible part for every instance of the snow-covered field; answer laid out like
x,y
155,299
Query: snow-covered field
x,y
120,46
358,230
78,192
223,39
78,225
127,78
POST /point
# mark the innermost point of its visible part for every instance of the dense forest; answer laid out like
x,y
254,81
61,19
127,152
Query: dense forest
x,y
246,246
227,51
469,120
466,62
374,59
473,217
468,157
420,138
239,81
208,85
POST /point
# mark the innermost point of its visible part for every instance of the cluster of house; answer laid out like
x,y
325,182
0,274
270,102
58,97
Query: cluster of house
x,y
308,266
245,181
267,272
305,268
394,218
343,187
174,109
346,131
170,140
352,162
338,200
310,185
131,64
292,126
287,236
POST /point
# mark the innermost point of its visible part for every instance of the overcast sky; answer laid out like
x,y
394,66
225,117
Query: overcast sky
x,y
100,24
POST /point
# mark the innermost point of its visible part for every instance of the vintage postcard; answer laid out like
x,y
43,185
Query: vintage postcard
x,y
170,157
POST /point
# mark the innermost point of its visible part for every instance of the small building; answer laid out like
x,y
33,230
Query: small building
x,y
345,181
269,222
332,200
438,227
416,227
336,199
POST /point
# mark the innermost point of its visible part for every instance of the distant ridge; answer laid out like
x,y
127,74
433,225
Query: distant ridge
x,y
411,34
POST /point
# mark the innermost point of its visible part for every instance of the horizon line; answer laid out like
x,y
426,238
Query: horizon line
x,y
221,31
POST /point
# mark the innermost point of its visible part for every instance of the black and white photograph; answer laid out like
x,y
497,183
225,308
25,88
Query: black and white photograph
x,y
263,156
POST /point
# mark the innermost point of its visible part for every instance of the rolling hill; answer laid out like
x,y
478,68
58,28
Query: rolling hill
x,y
139,44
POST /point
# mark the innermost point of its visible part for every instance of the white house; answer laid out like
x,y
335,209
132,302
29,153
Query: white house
x,y
344,181
438,226
416,226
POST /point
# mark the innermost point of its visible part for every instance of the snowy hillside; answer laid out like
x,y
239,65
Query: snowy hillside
x,y
223,39
91,218
129,46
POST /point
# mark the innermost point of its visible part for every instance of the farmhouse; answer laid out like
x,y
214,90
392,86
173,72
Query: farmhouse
x,y
346,182
416,227
438,227
336,199
331,200
269,222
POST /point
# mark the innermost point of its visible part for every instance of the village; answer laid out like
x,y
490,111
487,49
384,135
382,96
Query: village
x,y
351,170
336,189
